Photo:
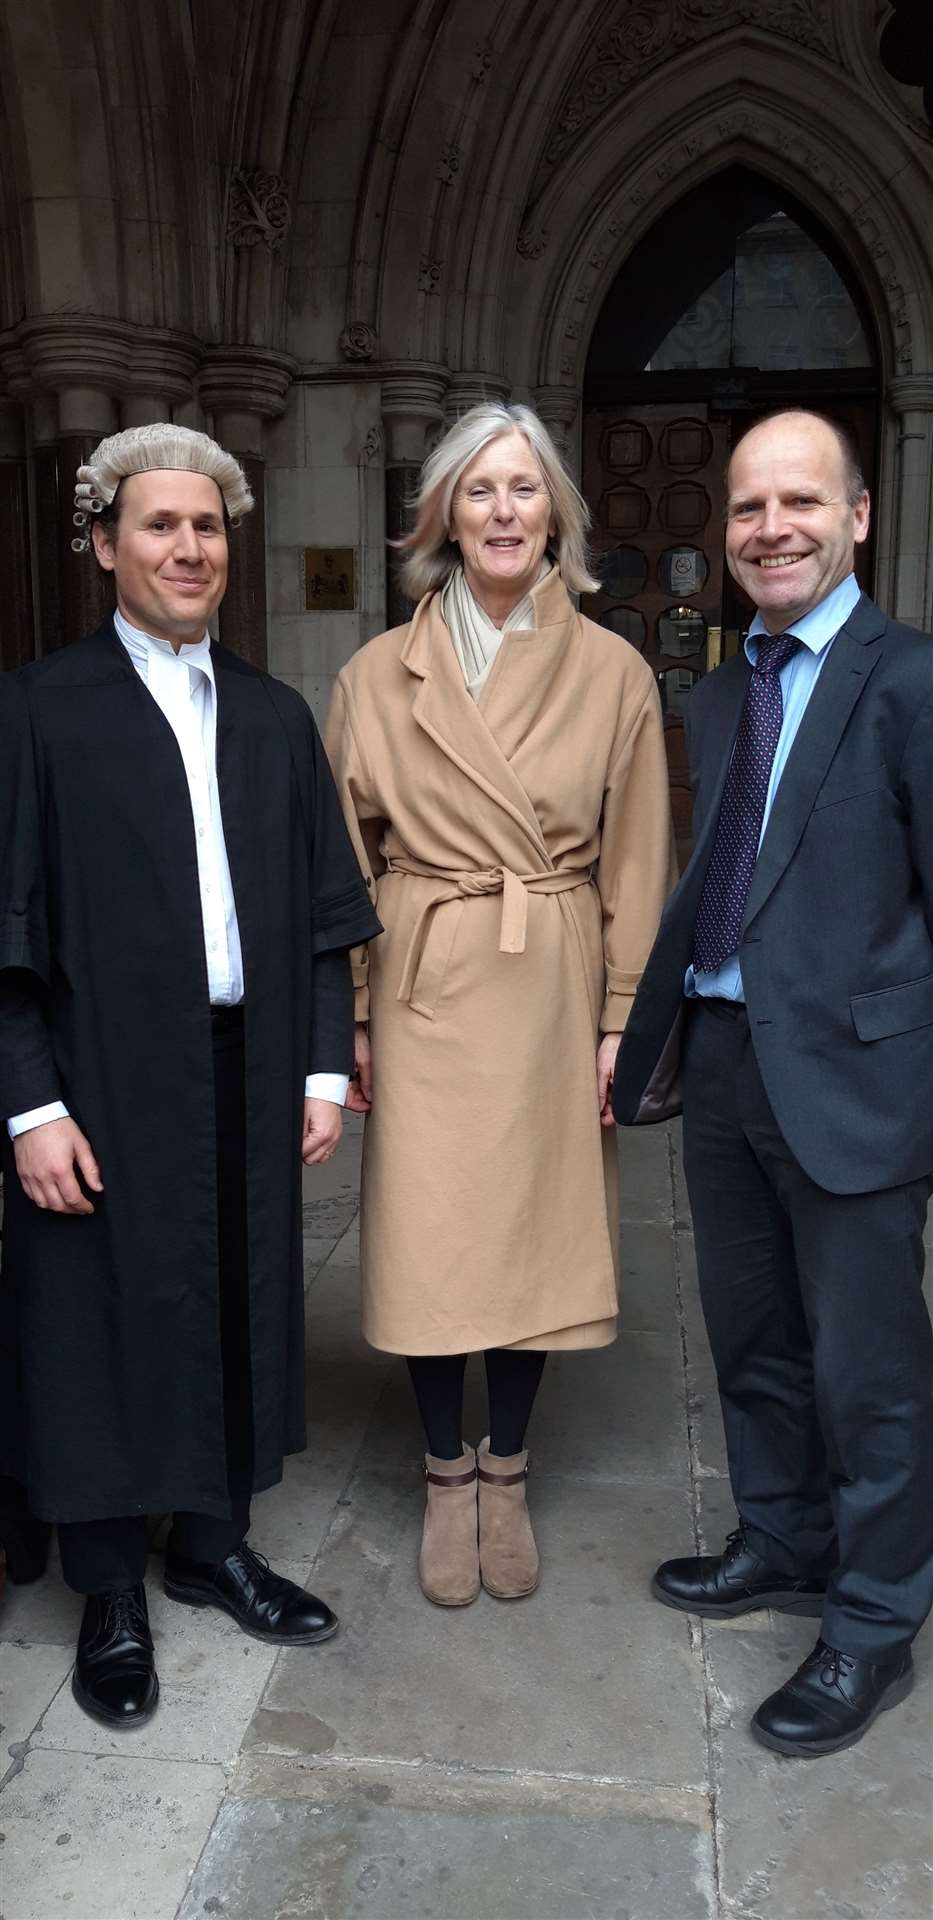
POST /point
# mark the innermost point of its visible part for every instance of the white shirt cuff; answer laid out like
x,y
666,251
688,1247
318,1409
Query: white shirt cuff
x,y
24,1122
328,1086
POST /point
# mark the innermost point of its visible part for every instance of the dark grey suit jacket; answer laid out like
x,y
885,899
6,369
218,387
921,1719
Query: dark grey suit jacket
x,y
837,941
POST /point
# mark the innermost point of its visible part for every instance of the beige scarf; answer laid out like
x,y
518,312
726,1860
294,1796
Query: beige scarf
x,y
475,639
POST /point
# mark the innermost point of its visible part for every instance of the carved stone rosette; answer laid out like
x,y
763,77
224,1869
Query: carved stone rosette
x,y
358,341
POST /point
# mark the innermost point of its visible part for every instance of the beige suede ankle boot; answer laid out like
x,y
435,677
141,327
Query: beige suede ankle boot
x,y
448,1565
508,1557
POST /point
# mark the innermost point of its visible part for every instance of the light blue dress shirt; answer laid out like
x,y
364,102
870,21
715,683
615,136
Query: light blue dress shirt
x,y
816,633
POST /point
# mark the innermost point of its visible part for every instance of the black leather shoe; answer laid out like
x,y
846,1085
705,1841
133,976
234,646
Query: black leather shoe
x,y
721,1585
830,1702
263,1603
23,1538
115,1678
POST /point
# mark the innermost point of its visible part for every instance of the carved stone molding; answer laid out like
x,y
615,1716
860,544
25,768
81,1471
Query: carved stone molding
x,y
449,164
358,341
773,132
373,446
911,394
258,211
642,37
429,275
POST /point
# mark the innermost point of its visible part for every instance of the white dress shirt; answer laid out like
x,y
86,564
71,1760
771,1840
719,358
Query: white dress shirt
x,y
182,685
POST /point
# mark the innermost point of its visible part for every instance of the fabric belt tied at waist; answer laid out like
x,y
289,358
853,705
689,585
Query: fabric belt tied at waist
x,y
432,937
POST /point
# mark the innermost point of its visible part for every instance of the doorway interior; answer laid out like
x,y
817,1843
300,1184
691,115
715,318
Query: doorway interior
x,y
735,302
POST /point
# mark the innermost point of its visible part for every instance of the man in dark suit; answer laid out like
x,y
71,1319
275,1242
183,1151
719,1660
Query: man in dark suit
x,y
792,985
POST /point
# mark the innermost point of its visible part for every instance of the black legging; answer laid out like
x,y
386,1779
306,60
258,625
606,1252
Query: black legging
x,y
512,1379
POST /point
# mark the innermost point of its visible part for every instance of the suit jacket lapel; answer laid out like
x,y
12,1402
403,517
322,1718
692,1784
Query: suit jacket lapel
x,y
840,685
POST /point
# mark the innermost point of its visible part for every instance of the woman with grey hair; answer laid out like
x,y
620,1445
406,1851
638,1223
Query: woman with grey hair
x,y
503,775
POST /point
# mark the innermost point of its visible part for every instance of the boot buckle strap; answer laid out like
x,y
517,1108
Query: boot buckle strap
x,y
503,1479
450,1479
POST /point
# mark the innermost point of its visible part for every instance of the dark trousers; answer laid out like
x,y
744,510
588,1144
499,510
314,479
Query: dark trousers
x,y
823,1350
98,1554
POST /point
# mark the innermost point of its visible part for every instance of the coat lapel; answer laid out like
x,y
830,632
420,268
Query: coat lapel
x,y
445,710
840,685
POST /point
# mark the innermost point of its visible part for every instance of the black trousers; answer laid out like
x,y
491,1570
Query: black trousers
x,y
823,1349
98,1554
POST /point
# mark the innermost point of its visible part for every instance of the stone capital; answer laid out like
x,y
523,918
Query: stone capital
x,y
412,404
557,406
468,390
78,353
163,363
246,380
911,393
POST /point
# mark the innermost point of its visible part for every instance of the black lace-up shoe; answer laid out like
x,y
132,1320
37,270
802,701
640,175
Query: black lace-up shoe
x,y
115,1678
722,1585
830,1702
263,1603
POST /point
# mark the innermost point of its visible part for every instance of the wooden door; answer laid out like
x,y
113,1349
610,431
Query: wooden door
x,y
654,478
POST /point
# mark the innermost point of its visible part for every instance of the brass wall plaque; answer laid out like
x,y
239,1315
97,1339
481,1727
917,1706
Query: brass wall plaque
x,y
330,579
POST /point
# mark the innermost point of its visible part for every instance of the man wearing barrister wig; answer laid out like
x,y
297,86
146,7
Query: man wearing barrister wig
x,y
177,897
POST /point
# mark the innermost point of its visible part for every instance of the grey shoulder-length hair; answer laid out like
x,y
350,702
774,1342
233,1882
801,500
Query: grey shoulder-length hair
x,y
431,554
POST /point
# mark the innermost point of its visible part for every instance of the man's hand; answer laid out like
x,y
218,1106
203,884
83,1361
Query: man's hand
x,y
605,1068
323,1126
360,1096
46,1158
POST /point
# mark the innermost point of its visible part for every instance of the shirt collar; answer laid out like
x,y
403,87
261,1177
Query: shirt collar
x,y
820,625
142,646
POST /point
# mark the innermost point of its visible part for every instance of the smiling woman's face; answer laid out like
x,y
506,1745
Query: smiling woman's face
x,y
501,518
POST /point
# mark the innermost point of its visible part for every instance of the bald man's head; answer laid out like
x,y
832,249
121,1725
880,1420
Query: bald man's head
x,y
845,440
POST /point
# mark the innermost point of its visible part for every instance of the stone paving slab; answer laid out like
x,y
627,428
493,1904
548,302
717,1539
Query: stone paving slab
x,y
103,1839
30,1677
373,1845
587,1674
843,1838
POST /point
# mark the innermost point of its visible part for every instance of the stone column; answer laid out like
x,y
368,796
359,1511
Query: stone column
x,y
412,412
243,387
559,408
85,363
47,515
17,628
911,400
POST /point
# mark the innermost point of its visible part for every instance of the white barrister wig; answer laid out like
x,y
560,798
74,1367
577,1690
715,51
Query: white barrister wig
x,y
160,448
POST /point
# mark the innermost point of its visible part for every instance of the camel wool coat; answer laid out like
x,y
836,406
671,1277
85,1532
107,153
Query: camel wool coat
x,y
518,850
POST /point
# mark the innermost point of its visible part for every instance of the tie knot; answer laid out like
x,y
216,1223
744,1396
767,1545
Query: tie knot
x,y
774,651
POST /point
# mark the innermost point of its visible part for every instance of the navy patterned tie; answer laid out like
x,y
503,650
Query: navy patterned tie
x,y
732,862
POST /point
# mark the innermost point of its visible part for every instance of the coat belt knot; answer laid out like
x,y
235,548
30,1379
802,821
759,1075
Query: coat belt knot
x,y
432,937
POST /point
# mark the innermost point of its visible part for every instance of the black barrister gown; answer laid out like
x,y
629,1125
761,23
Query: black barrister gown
x,y
111,1393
